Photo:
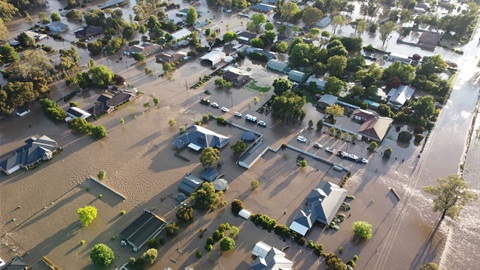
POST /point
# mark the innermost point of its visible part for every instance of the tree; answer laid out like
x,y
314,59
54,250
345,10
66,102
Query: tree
x,y
237,206
3,30
300,55
254,184
431,65
128,32
281,47
362,229
335,110
74,15
139,56
172,228
310,124
209,156
430,266
405,136
25,41
388,153
234,231
281,85
55,16
150,256
184,213
229,36
269,26
101,175
302,163
311,15
268,37
257,43
87,214
7,11
238,147
398,73
101,75
192,16
338,20
336,65
172,122
373,146
114,45
255,21
206,196
315,32
423,107
361,27
8,54
451,195
385,30
102,255
227,244
289,10
319,125
95,47
334,85
385,110
95,18
289,107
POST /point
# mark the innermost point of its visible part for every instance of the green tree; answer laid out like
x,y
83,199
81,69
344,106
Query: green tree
x,y
101,175
335,110
355,64
257,43
315,32
430,266
209,156
310,123
98,132
361,27
237,206
114,45
302,163
289,107
362,229
336,65
255,21
300,55
281,85
373,146
3,30
268,37
7,11
311,15
102,255
281,47
150,256
338,20
139,56
25,41
227,244
128,32
230,36
269,26
234,231
289,10
388,153
254,184
319,125
206,197
74,15
8,54
87,214
431,65
55,16
334,85
398,73
385,110
423,107
221,83
451,195
101,75
238,147
172,228
184,213
192,16
385,30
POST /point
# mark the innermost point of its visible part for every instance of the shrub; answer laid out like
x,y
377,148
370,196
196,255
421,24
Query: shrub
x,y
210,241
418,129
217,235
221,121
373,146
101,175
303,163
153,243
355,258
282,230
82,242
227,244
387,153
102,255
363,229
123,212
172,229
224,226
405,136
150,256
234,231
87,189
198,254
183,129
73,104
351,263
254,184
237,206
340,249
208,247
419,138
310,244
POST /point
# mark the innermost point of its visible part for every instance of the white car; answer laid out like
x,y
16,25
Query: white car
x,y
224,109
330,150
363,160
237,114
262,123
317,145
251,118
301,139
214,105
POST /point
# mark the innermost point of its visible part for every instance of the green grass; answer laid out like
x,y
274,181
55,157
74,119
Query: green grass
x,y
253,85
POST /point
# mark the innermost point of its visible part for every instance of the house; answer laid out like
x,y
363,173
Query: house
x,y
88,31
236,76
269,258
23,111
146,48
374,127
429,40
245,37
319,83
170,56
212,58
277,65
34,150
111,3
182,13
394,57
17,263
220,185
264,8
268,54
74,112
324,22
253,154
189,184
323,203
35,35
327,101
198,137
107,103
210,175
397,97
44,264
181,34
296,76
180,44
58,27
269,2
145,227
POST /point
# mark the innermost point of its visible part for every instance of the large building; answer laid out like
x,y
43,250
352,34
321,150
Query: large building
x,y
35,150
323,204
374,127
269,258
236,76
198,138
145,227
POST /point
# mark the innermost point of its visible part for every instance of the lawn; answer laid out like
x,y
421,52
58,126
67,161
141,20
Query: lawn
x,y
253,85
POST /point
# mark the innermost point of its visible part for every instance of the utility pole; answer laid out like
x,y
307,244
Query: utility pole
x,y
186,85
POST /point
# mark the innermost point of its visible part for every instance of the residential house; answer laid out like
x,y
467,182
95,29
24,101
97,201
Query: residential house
x,y
111,3
268,54
397,97
269,258
374,127
269,2
429,40
34,150
182,13
210,174
58,27
198,138
324,22
394,57
212,58
170,56
245,37
327,101
74,112
144,228
264,8
88,31
35,35
277,65
189,184
296,76
146,48
236,76
107,103
323,204
319,83
181,34
17,263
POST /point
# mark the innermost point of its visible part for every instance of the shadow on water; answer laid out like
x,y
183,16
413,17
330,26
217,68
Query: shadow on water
x,y
429,249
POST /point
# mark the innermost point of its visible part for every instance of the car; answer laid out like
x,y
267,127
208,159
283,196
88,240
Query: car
x,y
205,101
362,160
228,11
224,109
301,139
317,145
352,157
330,150
214,67
214,105
342,154
262,123
237,114
251,118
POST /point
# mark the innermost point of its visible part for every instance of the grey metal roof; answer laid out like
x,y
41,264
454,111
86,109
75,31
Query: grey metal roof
x,y
189,184
328,99
295,75
210,174
277,65
143,228
201,137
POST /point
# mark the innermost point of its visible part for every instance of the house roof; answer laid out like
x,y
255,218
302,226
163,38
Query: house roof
x,y
234,73
319,82
88,31
58,25
364,114
246,34
277,65
263,7
143,228
296,75
253,154
189,184
324,22
17,263
429,38
261,249
328,99
376,128
42,265
210,174
180,34
400,95
273,260
214,57
110,3
269,2
77,112
31,152
269,55
201,137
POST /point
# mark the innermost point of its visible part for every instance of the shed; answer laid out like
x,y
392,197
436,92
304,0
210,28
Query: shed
x,y
145,227
296,76
277,65
220,185
181,34
261,249
256,151
318,82
210,174
58,27
74,112
327,100
212,58
189,184
245,214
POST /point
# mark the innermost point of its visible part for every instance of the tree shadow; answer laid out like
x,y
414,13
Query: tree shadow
x,y
429,249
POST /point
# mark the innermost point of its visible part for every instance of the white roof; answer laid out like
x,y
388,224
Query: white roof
x,y
181,34
244,213
194,146
261,249
299,228
214,56
400,95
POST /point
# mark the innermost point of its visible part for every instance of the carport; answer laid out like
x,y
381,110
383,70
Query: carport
x,y
212,58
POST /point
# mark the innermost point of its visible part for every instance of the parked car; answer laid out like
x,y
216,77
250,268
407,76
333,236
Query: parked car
x,y
225,109
301,139
237,114
330,150
262,123
205,101
251,118
362,160
214,105
352,157
317,145
342,154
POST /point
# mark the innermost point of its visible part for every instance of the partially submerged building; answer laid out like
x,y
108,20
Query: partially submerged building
x,y
189,184
277,65
89,31
374,127
253,154
212,58
319,83
181,34
269,258
107,103
327,100
145,227
397,97
198,138
264,8
236,76
296,76
75,112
